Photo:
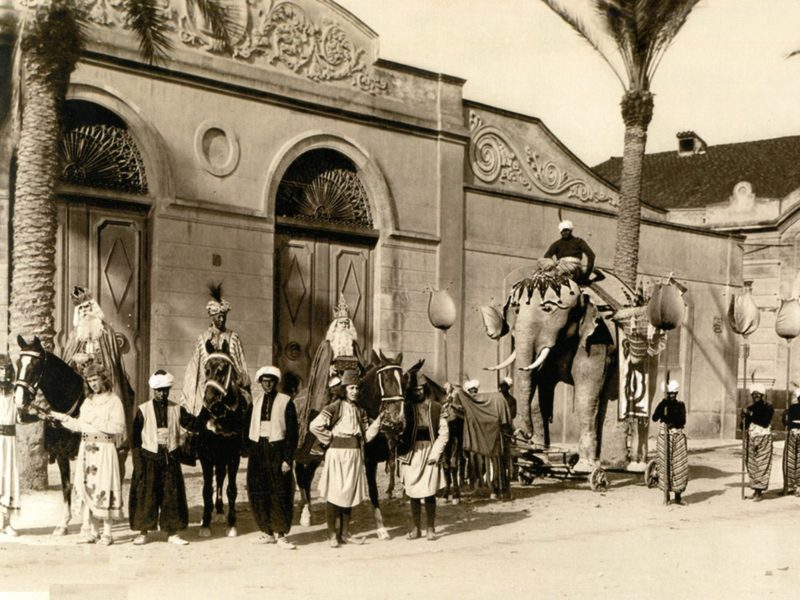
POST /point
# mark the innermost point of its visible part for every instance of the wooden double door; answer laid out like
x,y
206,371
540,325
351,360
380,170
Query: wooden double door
x,y
312,271
104,250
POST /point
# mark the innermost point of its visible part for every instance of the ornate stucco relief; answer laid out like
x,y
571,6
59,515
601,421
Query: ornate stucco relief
x,y
268,33
494,157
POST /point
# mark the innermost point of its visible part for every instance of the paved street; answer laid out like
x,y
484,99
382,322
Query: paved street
x,y
556,539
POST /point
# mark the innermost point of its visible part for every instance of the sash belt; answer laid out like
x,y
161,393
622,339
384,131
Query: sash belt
x,y
98,437
346,442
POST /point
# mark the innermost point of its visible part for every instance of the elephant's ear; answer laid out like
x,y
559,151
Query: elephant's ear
x,y
592,328
493,322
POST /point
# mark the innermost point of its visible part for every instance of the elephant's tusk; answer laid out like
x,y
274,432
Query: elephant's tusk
x,y
539,360
503,364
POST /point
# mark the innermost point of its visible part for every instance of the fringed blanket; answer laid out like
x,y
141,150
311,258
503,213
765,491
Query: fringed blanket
x,y
678,467
759,459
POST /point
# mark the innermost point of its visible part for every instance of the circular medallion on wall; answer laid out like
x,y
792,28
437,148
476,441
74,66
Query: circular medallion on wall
x,y
217,148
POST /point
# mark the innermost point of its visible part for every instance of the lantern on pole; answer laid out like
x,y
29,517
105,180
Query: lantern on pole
x,y
666,310
743,318
442,315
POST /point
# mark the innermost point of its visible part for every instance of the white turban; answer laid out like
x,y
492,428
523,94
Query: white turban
x,y
758,388
158,381
508,381
672,386
566,224
470,384
269,371
797,392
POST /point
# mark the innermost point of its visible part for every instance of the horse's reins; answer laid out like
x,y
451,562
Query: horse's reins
x,y
33,388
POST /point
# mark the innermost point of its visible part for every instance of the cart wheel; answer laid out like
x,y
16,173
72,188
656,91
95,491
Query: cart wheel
x,y
651,474
598,480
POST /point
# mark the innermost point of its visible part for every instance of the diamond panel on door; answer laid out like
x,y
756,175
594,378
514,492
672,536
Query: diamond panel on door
x,y
294,312
350,277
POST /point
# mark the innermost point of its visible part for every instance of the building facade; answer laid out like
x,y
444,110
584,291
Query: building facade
x,y
297,166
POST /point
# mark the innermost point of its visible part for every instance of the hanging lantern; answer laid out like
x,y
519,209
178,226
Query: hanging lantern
x,y
493,322
441,310
787,323
666,310
743,314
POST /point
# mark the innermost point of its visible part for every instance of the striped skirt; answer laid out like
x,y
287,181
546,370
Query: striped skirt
x,y
791,460
678,461
759,459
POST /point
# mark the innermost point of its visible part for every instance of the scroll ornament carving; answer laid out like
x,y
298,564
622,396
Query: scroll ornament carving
x,y
494,157
279,34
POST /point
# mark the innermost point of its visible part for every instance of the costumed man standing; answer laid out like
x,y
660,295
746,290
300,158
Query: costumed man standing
x,y
98,481
419,449
9,473
335,354
569,251
757,421
158,494
272,432
92,341
673,461
344,428
791,460
194,381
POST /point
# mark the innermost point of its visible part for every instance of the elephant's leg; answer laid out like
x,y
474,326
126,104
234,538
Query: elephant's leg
x,y
589,372
542,412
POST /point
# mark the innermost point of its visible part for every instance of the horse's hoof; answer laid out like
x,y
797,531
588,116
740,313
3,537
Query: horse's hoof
x,y
232,532
383,534
305,517
204,532
60,530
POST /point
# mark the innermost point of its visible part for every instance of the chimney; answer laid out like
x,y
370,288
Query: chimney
x,y
689,144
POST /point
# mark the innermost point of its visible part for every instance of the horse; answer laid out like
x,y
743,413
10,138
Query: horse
x,y
220,425
381,390
62,388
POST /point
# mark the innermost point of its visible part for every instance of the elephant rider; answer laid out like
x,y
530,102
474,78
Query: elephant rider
x,y
568,252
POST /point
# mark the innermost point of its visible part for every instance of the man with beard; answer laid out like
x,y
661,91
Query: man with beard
x,y
194,380
337,353
92,341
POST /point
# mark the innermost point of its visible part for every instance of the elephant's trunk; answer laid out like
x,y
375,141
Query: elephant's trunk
x,y
543,353
505,363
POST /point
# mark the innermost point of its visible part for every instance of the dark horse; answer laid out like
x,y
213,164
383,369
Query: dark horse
x,y
39,370
381,390
220,440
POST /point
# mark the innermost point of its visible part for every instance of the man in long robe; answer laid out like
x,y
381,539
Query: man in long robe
x,y
194,380
757,421
272,433
338,352
92,341
673,460
791,449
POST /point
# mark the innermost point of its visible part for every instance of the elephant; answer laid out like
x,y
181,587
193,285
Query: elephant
x,y
559,336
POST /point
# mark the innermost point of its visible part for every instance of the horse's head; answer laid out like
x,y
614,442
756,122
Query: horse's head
x,y
382,390
30,366
221,395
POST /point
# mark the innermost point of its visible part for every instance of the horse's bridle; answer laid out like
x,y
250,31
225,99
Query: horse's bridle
x,y
384,371
223,389
32,388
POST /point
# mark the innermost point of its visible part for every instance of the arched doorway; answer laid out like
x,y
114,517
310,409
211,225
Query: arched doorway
x,y
324,247
102,233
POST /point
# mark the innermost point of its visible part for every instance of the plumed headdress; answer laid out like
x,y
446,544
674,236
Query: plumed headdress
x,y
80,295
217,305
161,379
342,311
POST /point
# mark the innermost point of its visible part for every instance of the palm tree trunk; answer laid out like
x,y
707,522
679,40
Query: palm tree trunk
x,y
47,71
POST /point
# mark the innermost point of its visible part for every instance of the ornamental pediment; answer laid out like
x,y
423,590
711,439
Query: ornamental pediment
x,y
313,39
528,163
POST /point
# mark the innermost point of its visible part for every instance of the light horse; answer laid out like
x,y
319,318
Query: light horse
x,y
381,390
39,370
220,442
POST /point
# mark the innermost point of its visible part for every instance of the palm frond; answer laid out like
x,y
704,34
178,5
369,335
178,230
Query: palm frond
x,y
581,29
149,24
221,19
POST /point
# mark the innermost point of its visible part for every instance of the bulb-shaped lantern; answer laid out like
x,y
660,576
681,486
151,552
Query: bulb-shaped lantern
x,y
441,310
743,314
666,309
787,323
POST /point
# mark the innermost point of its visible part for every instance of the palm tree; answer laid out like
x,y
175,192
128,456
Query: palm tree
x,y
640,31
50,37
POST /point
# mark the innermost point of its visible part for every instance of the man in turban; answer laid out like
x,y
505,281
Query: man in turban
x,y
568,251
93,342
758,425
194,380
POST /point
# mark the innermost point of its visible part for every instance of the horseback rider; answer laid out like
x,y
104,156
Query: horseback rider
x,y
194,381
568,251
